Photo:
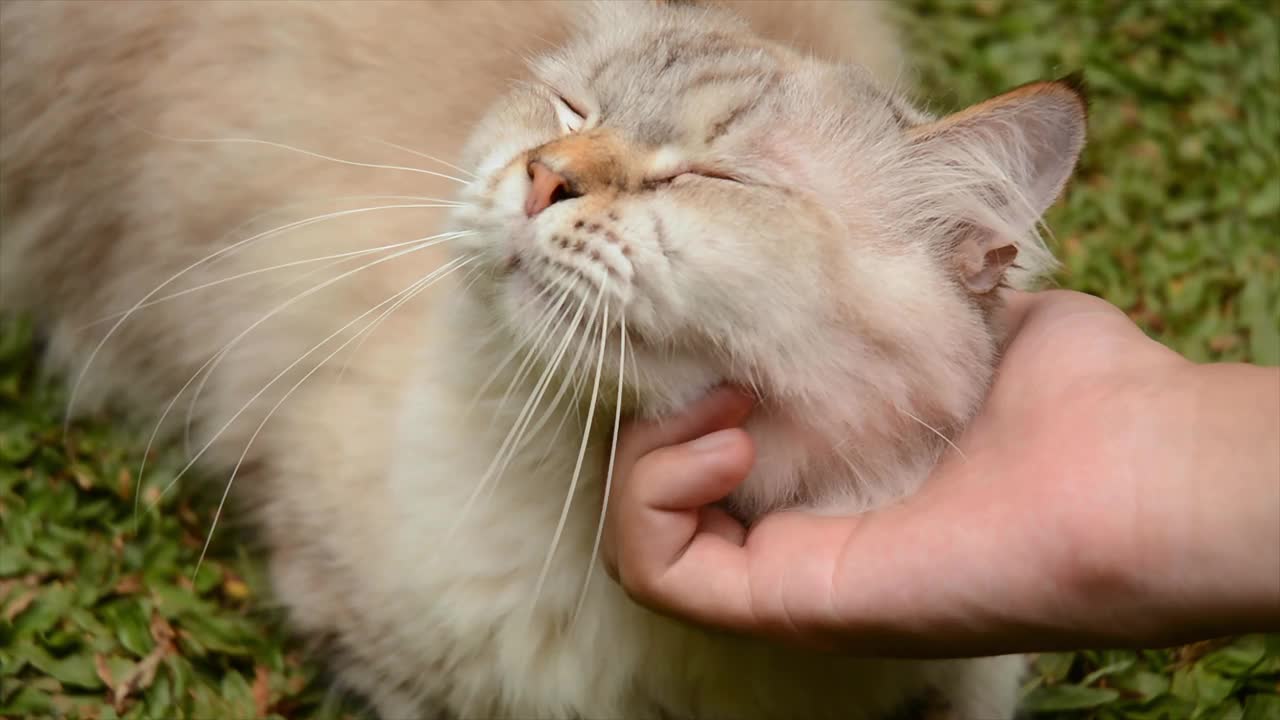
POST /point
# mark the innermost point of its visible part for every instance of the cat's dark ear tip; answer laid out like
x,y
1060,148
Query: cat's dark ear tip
x,y
1076,84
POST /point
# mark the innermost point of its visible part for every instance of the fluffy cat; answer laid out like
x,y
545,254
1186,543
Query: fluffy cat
x,y
413,369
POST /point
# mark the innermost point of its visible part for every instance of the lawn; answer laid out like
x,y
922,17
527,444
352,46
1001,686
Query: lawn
x,y
1174,216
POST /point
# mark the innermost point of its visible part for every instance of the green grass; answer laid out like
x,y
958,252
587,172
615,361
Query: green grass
x,y
1175,217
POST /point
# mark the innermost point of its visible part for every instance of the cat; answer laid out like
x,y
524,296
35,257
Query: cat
x,y
398,270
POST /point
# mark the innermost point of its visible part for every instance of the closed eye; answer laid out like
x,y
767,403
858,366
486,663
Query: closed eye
x,y
571,116
712,174
693,175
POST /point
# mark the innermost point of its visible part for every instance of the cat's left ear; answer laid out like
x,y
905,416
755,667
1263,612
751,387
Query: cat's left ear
x,y
1024,145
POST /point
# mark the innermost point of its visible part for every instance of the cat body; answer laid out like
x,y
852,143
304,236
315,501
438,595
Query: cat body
x,y
732,199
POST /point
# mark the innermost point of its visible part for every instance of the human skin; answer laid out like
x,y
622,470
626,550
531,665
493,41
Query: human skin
x,y
1109,493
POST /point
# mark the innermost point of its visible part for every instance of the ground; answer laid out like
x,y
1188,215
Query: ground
x,y
1174,216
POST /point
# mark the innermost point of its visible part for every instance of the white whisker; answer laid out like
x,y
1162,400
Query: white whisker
x,y
75,389
525,429
535,349
935,431
541,328
372,327
853,468
322,156
199,390
608,478
427,242
568,379
572,379
577,468
291,148
397,300
565,378
427,157
258,271
539,389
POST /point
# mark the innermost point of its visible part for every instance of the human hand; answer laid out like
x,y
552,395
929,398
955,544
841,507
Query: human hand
x,y
1074,517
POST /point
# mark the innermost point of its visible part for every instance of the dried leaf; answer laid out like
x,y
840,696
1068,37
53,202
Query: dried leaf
x,y
144,673
124,484
83,477
161,631
262,690
20,604
104,672
128,585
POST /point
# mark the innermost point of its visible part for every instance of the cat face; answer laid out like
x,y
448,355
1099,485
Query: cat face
x,y
755,216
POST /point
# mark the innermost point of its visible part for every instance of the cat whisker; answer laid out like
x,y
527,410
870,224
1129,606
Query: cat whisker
x,y
472,276
526,431
191,405
416,199
937,432
635,366
608,478
566,380
75,388
538,391
426,243
322,156
217,360
396,301
259,271
582,453
578,381
853,468
368,330
569,379
540,330
284,146
535,348
425,156
228,251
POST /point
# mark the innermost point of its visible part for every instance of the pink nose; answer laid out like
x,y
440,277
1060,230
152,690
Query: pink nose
x,y
548,187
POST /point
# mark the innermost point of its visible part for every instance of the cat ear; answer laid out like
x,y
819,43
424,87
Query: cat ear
x,y
981,258
1013,153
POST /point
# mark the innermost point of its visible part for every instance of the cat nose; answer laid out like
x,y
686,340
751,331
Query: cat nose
x,y
548,187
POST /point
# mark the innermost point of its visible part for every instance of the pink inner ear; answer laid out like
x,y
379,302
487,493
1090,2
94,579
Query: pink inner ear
x,y
984,275
1002,257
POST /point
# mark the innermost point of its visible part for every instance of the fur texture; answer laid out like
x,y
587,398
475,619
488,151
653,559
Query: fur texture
x,y
745,198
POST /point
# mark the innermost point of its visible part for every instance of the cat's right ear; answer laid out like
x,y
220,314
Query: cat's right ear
x,y
1018,149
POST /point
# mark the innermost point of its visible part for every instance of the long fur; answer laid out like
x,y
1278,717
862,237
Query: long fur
x,y
304,227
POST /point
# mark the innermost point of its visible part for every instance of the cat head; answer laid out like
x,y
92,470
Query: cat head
x,y
757,216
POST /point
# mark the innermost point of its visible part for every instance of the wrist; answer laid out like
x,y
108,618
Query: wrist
x,y
1206,554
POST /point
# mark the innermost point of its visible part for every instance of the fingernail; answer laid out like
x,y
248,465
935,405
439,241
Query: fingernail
x,y
713,442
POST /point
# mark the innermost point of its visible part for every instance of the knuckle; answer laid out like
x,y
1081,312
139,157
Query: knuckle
x,y
638,584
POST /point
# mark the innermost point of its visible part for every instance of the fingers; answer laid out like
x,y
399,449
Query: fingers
x,y
1021,306
674,553
723,407
663,543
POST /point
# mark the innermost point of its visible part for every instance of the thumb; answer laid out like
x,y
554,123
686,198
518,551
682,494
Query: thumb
x,y
667,471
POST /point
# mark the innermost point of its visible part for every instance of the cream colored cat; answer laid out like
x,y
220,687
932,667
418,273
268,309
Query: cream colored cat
x,y
414,367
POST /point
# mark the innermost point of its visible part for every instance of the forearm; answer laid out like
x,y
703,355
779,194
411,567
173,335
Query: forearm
x,y
1213,541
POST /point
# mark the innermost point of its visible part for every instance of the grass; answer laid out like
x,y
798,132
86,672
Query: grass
x,y
1174,217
